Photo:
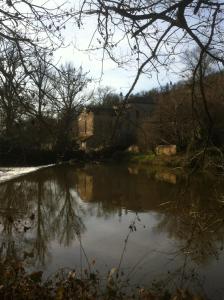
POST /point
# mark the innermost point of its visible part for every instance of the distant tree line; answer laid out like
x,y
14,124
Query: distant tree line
x,y
176,120
190,113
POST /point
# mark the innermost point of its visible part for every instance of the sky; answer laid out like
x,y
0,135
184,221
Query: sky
x,y
120,79
107,73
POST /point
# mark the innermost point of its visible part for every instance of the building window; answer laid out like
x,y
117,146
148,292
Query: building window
x,y
85,125
83,145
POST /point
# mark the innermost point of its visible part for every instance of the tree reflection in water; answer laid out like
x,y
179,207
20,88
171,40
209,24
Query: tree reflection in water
x,y
196,223
34,211
67,222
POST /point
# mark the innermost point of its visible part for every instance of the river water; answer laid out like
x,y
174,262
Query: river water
x,y
160,230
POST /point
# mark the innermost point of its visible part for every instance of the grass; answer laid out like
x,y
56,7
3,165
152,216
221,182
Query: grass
x,y
128,157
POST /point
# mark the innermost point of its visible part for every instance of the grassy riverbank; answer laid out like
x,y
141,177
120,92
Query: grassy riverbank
x,y
150,158
211,161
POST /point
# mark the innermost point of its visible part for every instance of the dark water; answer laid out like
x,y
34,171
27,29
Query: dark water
x,y
170,230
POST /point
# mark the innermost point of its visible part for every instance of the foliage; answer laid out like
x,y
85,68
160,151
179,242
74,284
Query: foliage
x,y
140,157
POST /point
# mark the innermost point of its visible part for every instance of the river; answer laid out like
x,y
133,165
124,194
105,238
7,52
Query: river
x,y
160,230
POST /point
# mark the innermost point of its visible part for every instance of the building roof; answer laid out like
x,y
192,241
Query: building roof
x,y
101,110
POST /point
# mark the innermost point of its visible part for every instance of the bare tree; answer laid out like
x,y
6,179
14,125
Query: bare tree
x,y
171,121
105,96
24,95
37,100
190,60
13,81
69,84
28,29
40,86
35,24
155,32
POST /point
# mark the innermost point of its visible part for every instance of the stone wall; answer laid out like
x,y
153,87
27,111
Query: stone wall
x,y
166,150
85,125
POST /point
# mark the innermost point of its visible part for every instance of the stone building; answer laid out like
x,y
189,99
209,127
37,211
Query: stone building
x,y
100,126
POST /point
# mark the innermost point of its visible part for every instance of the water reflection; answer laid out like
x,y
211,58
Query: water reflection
x,y
34,211
180,232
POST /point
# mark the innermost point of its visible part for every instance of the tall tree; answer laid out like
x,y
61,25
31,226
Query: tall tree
x,y
13,80
69,84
